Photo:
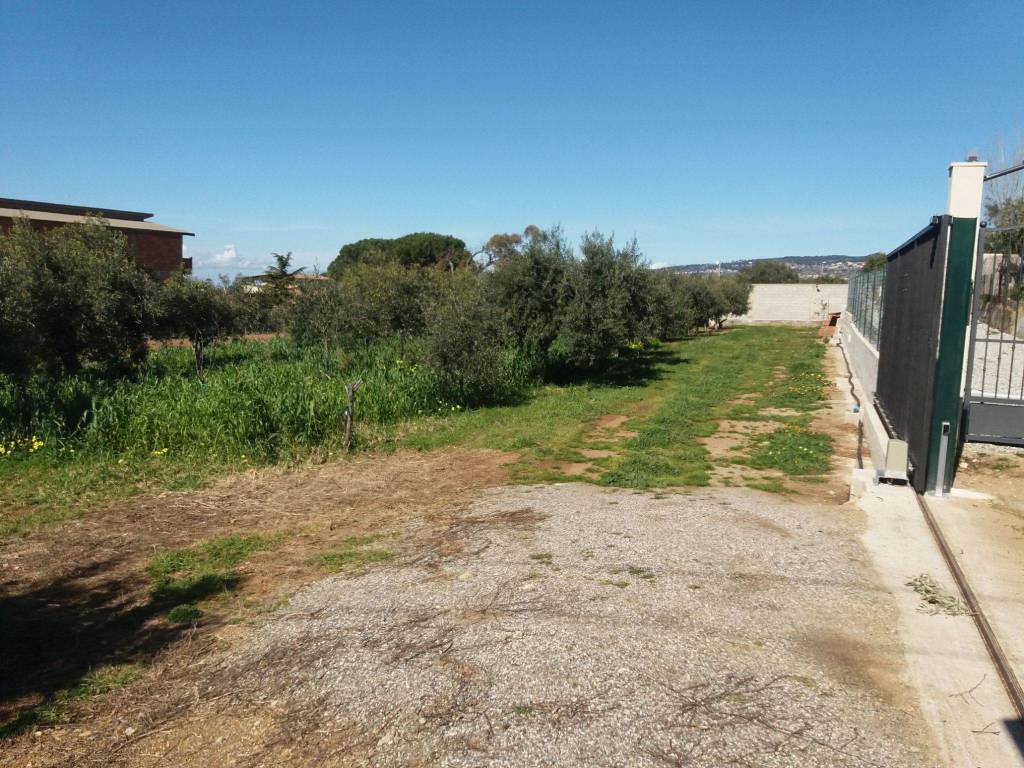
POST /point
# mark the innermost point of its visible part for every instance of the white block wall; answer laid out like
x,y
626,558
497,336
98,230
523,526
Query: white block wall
x,y
794,302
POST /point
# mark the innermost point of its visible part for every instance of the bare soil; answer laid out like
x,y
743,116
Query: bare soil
x,y
610,427
533,640
732,438
75,596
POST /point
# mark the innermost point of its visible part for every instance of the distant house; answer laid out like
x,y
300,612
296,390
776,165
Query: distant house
x,y
258,283
156,248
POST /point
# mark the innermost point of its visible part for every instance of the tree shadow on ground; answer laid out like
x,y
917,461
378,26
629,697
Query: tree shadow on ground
x,y
55,633
632,368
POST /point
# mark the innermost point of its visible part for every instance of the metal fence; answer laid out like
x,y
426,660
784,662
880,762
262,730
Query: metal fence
x,y
995,381
865,303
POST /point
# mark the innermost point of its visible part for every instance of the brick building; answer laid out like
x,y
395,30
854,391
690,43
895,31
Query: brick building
x,y
157,248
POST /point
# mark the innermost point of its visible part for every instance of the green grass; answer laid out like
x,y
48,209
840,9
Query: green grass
x,y
353,554
55,709
792,449
340,559
181,577
271,402
692,386
188,613
259,403
769,486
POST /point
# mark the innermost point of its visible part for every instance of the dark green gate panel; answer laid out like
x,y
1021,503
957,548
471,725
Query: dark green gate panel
x,y
908,342
956,309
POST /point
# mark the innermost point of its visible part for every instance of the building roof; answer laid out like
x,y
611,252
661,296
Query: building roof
x,y
68,214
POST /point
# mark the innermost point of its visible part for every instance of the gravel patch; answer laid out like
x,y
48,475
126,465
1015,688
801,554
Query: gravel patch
x,y
998,364
723,627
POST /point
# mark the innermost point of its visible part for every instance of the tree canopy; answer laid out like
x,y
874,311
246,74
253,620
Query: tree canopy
x,y
769,271
71,297
419,249
874,261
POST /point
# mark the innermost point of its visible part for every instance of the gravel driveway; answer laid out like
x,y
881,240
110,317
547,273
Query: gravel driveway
x,y
571,625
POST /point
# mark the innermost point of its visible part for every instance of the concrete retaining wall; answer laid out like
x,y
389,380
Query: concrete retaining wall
x,y
886,457
863,357
794,302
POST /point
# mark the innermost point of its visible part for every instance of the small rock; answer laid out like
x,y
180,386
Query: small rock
x,y
129,731
464,576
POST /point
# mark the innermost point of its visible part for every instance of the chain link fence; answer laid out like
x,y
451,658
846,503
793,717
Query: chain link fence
x,y
864,303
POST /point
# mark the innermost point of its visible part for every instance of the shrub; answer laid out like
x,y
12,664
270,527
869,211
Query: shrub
x,y
198,311
672,312
257,310
465,345
606,304
72,296
705,303
371,301
20,341
733,298
527,289
768,271
318,316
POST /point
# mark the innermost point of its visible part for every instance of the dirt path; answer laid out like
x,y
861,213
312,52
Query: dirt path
x,y
566,625
984,524
562,624
75,596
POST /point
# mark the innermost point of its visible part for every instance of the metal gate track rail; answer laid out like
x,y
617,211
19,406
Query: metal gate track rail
x,y
988,636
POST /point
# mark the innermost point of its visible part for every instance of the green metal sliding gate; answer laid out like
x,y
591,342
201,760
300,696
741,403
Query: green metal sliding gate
x,y
938,385
920,348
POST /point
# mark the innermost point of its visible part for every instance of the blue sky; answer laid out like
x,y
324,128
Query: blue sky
x,y
709,130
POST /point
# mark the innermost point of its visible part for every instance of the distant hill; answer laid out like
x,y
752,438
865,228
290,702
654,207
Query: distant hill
x,y
806,266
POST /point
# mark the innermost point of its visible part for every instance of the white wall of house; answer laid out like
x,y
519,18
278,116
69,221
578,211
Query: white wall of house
x,y
794,302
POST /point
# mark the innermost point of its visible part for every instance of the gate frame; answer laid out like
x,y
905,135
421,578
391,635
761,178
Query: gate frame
x,y
963,206
991,408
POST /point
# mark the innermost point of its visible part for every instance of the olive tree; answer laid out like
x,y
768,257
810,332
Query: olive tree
x,y
199,311
72,297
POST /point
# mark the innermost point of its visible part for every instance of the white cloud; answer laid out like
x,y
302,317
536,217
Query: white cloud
x,y
227,258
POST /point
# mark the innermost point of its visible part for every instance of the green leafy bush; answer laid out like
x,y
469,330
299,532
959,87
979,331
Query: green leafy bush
x,y
71,297
527,289
199,311
605,304
466,348
769,271
370,301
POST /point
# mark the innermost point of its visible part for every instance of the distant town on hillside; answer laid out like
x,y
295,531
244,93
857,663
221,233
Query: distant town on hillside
x,y
806,266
